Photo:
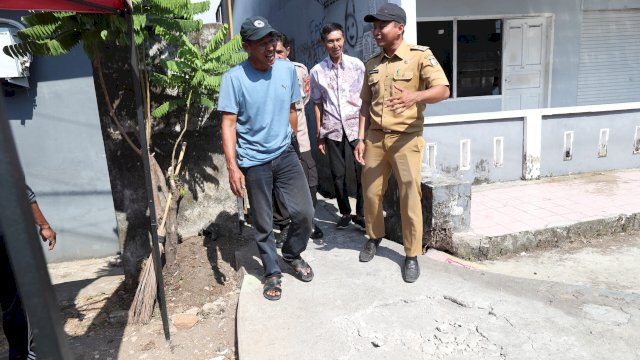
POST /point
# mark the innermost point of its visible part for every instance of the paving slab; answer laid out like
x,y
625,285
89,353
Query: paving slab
x,y
511,207
511,217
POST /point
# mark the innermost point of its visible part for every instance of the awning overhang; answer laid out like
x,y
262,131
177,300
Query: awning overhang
x,y
94,6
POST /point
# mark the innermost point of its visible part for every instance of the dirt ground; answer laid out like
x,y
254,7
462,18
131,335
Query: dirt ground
x,y
94,305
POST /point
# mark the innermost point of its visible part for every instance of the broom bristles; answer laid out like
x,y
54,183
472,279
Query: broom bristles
x,y
144,301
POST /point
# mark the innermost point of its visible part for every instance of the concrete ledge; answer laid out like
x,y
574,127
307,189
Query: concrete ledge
x,y
446,204
476,247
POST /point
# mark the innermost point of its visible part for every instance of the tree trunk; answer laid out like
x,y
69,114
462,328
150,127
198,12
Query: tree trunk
x,y
171,245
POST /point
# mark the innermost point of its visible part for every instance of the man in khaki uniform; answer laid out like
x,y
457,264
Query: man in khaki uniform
x,y
398,83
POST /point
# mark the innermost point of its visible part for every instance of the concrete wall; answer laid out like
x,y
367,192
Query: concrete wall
x,y
302,22
534,142
56,128
586,128
481,134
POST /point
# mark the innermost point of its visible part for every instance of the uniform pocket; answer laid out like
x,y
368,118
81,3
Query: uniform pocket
x,y
407,76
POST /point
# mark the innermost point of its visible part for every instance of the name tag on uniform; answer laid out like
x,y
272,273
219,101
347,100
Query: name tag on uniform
x,y
374,71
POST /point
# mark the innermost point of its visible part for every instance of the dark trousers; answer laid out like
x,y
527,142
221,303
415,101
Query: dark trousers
x,y
280,213
14,320
283,175
338,164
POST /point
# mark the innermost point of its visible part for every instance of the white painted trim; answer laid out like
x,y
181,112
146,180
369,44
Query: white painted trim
x,y
603,142
551,28
476,98
431,155
498,151
532,146
454,68
411,30
480,17
568,145
515,114
465,154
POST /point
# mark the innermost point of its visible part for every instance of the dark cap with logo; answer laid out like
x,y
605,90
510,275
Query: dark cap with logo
x,y
388,12
255,28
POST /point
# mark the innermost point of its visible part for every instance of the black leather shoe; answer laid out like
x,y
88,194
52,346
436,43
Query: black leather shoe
x,y
369,250
317,233
411,269
359,220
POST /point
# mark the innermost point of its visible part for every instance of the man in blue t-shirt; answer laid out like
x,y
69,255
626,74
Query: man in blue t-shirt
x,y
257,100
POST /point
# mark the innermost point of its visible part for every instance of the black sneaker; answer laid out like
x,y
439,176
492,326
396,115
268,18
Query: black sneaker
x,y
317,233
359,220
344,222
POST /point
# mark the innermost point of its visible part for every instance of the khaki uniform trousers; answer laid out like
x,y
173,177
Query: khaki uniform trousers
x,y
402,154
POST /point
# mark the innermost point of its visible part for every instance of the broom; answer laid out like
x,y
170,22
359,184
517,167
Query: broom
x,y
144,301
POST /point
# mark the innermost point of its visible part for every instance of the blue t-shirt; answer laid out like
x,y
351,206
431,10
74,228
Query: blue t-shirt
x,y
261,100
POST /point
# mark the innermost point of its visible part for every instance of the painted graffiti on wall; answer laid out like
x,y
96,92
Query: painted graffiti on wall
x,y
358,38
327,3
311,51
351,33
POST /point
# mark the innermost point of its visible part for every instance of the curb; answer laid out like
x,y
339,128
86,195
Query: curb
x,y
476,247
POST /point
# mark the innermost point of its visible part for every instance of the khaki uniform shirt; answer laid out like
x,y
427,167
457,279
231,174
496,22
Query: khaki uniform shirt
x,y
412,67
303,131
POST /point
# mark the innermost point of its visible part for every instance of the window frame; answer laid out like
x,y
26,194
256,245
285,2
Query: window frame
x,y
503,18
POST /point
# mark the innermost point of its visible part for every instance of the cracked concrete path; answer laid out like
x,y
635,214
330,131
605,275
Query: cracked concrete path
x,y
354,310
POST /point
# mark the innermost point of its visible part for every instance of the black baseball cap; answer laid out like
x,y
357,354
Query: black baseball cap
x,y
255,28
388,12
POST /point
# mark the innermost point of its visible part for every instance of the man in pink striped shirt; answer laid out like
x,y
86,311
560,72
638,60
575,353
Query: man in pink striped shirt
x,y
336,82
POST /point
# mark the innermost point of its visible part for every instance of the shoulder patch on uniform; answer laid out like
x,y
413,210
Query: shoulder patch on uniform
x,y
433,61
419,47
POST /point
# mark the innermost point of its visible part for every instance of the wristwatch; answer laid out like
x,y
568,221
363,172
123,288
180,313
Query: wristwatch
x,y
357,140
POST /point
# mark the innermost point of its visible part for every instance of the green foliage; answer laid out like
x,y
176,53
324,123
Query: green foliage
x,y
56,33
198,72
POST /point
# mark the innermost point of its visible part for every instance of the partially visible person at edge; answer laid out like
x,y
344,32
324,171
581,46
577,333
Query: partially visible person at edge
x,y
336,82
399,82
257,100
280,215
14,319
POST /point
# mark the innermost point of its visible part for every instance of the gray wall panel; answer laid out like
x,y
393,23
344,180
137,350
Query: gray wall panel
x,y
448,137
586,129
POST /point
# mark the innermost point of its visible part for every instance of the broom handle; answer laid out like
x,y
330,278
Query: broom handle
x,y
161,229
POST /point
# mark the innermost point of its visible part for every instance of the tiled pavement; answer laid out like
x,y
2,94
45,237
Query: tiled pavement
x,y
511,207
